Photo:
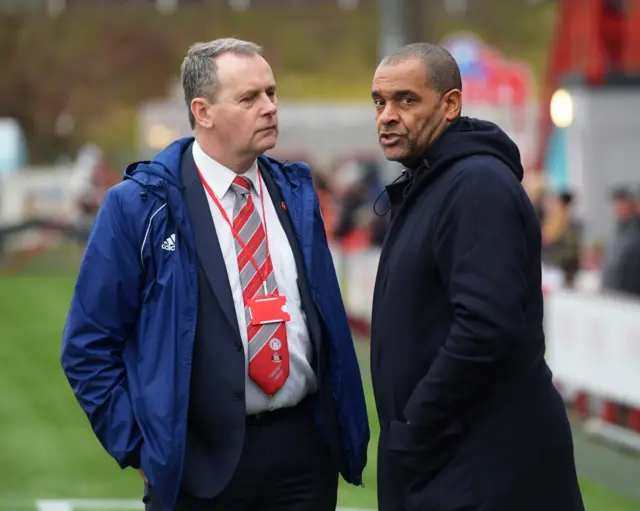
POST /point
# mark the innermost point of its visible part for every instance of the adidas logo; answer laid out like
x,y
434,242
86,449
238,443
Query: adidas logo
x,y
170,243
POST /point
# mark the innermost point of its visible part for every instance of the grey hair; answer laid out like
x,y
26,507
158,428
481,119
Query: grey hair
x,y
443,72
199,72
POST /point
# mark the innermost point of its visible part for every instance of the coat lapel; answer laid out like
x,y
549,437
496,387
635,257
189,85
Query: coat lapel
x,y
283,208
293,189
206,239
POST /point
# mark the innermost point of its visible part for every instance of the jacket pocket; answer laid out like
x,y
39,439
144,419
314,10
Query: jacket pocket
x,y
419,455
435,470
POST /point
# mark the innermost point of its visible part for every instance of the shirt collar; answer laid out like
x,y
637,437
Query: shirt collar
x,y
217,176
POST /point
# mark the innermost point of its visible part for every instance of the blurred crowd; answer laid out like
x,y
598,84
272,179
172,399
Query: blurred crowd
x,y
353,206
617,259
621,262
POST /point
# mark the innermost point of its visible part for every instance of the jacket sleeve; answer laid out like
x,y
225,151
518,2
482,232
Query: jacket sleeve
x,y
481,254
349,397
102,314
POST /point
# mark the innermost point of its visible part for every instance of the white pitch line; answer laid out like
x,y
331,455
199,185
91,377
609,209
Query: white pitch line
x,y
53,505
72,504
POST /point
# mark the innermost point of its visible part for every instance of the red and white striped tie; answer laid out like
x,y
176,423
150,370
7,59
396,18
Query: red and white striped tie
x,y
268,347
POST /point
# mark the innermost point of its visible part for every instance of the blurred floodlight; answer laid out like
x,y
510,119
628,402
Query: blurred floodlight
x,y
160,136
561,109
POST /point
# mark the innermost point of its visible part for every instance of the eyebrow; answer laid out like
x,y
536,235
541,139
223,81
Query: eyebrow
x,y
396,95
255,91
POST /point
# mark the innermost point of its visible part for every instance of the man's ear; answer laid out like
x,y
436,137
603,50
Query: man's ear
x,y
201,110
453,104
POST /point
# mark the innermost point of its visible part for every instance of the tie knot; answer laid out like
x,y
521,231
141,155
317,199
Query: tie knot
x,y
241,185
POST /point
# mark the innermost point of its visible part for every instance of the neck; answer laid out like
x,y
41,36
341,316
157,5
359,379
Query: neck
x,y
236,163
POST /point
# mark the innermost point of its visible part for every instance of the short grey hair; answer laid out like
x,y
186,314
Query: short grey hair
x,y
199,72
442,69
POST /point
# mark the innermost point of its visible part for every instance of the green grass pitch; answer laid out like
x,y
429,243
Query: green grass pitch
x,y
47,449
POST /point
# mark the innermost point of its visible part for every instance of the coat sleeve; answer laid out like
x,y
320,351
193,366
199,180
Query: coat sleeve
x,y
628,267
101,316
481,253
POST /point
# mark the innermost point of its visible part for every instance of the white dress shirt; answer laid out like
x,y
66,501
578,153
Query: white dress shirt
x,y
301,380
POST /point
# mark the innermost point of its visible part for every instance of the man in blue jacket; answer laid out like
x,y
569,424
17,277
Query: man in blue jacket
x,y
470,419
207,340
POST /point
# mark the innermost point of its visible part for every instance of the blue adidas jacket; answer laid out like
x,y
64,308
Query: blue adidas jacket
x,y
128,340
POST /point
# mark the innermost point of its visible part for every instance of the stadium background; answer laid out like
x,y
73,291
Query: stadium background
x,y
90,85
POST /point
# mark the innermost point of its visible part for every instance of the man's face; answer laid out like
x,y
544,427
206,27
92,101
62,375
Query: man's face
x,y
409,114
244,116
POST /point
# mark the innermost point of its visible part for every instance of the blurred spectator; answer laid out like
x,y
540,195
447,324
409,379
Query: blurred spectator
x,y
636,200
90,181
561,237
359,188
378,201
533,183
621,265
326,203
349,219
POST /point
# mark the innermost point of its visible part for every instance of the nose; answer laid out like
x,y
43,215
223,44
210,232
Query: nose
x,y
269,106
388,115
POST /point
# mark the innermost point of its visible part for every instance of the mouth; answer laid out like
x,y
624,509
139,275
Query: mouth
x,y
389,139
267,129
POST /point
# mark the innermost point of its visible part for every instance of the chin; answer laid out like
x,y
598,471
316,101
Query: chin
x,y
394,154
268,143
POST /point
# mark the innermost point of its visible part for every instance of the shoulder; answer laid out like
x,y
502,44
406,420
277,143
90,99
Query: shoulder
x,y
290,175
128,204
486,178
124,199
483,187
286,168
124,194
486,169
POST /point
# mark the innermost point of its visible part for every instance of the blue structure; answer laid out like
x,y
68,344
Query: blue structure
x,y
556,164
